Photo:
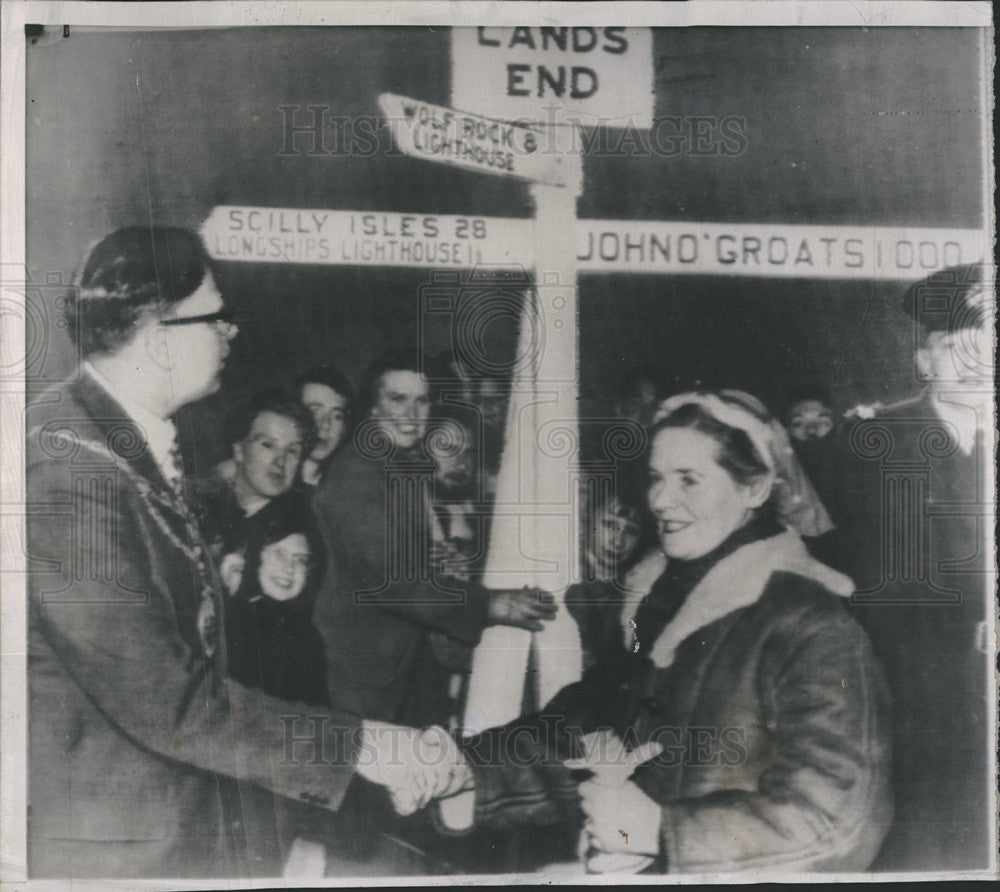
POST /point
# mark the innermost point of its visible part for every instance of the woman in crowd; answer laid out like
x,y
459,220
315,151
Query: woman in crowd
x,y
272,645
326,392
272,642
740,673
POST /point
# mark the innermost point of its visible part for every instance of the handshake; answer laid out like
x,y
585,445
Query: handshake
x,y
416,766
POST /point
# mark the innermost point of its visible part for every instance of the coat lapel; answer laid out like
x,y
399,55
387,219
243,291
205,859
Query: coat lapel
x,y
118,432
735,582
124,439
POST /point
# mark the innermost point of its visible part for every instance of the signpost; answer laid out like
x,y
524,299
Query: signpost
x,y
638,247
524,550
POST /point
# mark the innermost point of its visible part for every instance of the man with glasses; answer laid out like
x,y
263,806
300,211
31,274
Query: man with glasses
x,y
132,721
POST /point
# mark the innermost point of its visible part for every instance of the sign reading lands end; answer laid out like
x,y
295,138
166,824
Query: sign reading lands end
x,y
591,77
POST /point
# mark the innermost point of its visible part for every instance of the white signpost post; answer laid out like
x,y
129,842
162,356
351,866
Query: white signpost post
x,y
563,78
533,536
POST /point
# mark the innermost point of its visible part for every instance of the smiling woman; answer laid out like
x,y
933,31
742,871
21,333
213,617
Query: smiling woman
x,y
726,680
272,578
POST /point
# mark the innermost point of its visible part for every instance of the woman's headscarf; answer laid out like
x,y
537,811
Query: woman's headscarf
x,y
795,500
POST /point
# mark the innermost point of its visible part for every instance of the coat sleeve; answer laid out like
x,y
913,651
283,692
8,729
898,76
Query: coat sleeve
x,y
517,769
355,525
112,628
822,800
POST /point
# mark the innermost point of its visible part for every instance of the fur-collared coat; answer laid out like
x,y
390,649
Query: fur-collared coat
x,y
772,711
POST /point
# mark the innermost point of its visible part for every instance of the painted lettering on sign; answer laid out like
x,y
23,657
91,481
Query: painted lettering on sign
x,y
282,235
555,74
776,251
390,238
486,145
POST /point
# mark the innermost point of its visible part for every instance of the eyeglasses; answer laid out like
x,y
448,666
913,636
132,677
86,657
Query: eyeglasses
x,y
224,315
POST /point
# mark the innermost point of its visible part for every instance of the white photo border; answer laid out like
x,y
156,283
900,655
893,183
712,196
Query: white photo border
x,y
14,14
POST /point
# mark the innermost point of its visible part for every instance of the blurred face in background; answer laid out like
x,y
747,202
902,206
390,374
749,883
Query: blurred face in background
x,y
402,407
268,459
615,531
455,462
638,403
810,420
329,411
492,400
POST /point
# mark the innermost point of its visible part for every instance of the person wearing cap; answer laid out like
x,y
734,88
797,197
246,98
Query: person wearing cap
x,y
920,548
738,719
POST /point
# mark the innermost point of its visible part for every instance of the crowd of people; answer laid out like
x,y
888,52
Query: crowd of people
x,y
792,697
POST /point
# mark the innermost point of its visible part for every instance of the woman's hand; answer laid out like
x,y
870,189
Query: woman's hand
x,y
620,817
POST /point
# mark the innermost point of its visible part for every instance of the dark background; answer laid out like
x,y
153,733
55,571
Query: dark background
x,y
877,126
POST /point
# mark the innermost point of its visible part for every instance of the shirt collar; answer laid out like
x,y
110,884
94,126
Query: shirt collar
x,y
963,417
159,433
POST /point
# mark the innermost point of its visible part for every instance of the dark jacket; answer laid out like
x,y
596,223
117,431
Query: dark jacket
x,y
772,711
131,721
274,645
924,596
380,597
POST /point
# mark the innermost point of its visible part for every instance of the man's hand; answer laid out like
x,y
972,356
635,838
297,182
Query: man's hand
x,y
439,752
526,608
414,766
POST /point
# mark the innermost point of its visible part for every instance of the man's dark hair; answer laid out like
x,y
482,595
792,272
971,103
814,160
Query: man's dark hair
x,y
130,273
390,361
328,376
278,402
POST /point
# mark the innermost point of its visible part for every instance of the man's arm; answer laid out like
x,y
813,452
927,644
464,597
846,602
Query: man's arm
x,y
118,639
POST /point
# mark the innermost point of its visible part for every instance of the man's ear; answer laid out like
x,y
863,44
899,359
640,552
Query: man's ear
x,y
238,455
154,339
